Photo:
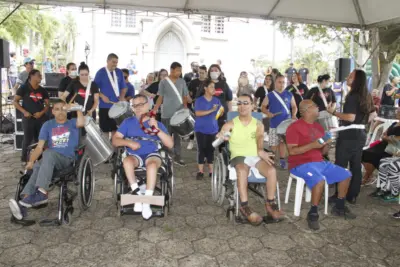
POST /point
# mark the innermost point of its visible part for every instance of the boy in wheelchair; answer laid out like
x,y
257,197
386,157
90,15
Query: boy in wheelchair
x,y
62,138
246,145
142,153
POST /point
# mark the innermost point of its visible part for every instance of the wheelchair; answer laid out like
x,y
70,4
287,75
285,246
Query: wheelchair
x,y
224,187
164,189
80,173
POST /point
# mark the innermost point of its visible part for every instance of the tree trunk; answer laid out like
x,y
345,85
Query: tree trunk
x,y
375,58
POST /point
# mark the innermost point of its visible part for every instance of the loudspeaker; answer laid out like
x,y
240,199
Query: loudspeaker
x,y
53,79
342,66
4,54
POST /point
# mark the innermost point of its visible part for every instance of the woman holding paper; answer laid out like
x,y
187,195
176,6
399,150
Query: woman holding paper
x,y
84,92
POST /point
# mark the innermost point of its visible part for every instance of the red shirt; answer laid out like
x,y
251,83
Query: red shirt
x,y
302,133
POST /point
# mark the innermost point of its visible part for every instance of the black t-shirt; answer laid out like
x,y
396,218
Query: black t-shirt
x,y
387,100
303,73
222,92
314,95
261,93
153,89
193,88
352,106
289,71
32,100
75,87
303,89
190,77
62,87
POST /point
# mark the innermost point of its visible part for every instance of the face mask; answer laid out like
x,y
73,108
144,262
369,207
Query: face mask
x,y
73,74
214,75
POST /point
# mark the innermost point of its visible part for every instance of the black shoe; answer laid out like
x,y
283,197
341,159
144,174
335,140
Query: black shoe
x,y
396,215
332,199
352,201
200,176
179,161
312,219
377,193
346,213
135,192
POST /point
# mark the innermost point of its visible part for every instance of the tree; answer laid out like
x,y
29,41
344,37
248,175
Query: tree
x,y
16,28
384,44
68,36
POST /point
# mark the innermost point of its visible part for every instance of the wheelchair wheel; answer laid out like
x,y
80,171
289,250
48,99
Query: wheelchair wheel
x,y
67,217
218,180
167,193
86,182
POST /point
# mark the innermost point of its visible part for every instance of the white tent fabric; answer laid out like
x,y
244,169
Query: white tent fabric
x,y
347,13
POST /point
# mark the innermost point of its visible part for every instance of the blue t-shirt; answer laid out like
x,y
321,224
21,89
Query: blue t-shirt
x,y
131,128
206,124
275,106
105,86
131,90
62,138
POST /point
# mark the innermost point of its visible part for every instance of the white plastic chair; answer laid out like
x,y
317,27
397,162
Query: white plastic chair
x,y
300,184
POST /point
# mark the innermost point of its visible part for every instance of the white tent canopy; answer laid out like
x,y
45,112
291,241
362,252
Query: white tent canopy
x,y
347,13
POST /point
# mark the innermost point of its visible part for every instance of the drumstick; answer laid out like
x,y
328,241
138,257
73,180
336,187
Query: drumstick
x,y
73,98
113,102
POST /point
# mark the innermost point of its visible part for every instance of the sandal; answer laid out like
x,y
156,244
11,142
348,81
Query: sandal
x,y
252,217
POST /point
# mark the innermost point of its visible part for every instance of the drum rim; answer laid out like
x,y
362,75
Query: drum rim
x,y
178,112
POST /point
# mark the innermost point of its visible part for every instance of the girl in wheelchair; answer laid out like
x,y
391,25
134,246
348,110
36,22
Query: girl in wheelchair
x,y
62,138
142,153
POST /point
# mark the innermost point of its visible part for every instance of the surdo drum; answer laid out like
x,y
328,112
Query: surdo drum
x,y
282,127
182,123
328,122
120,111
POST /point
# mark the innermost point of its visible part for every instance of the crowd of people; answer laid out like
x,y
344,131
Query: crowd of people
x,y
205,92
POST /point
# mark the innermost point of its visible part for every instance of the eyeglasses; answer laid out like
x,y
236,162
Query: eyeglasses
x,y
139,105
239,103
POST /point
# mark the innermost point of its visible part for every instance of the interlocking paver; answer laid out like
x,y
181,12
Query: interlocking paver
x,y
196,232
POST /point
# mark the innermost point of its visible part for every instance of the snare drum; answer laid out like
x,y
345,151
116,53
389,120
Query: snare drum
x,y
387,112
120,111
282,127
182,123
328,121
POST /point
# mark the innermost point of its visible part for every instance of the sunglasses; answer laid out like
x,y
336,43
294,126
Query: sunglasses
x,y
139,105
239,103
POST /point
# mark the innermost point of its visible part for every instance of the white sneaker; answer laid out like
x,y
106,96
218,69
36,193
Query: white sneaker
x,y
147,212
138,207
190,145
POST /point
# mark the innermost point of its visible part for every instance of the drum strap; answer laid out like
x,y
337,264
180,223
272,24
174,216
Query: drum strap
x,y
114,82
87,94
175,90
150,131
281,101
323,97
297,90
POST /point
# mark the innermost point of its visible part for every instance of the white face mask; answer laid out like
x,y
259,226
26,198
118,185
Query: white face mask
x,y
214,75
73,74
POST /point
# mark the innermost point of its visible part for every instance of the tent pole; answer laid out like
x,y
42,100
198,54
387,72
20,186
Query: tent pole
x,y
360,16
12,12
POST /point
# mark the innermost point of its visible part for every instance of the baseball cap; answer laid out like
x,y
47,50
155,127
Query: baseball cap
x,y
28,60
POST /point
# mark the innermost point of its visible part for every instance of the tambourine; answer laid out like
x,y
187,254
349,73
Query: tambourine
x,y
152,130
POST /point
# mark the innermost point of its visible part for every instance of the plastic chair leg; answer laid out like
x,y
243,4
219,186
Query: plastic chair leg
x,y
299,196
278,195
308,194
289,185
326,197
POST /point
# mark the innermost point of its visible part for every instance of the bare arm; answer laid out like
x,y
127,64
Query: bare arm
x,y
260,137
344,116
298,150
95,103
294,108
17,98
158,104
146,93
37,152
122,94
63,95
391,91
226,128
118,141
166,139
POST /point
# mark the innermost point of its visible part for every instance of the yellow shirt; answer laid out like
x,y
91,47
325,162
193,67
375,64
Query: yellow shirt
x,y
242,142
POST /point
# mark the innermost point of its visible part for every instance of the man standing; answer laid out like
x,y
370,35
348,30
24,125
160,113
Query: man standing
x,y
12,71
173,93
23,76
304,73
192,75
48,66
112,87
130,93
289,72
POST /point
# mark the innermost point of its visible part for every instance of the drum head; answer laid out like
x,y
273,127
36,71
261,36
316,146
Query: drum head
x,y
118,109
282,127
180,116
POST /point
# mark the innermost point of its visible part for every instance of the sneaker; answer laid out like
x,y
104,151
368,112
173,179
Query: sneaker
x,y
138,207
346,213
199,176
179,161
312,219
396,215
251,216
391,198
190,145
15,209
34,200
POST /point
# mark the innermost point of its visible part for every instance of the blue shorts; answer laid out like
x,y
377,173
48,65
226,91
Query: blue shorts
x,y
142,158
314,172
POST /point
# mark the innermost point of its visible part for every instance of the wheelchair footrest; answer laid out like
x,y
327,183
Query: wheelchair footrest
x,y
49,222
129,211
22,222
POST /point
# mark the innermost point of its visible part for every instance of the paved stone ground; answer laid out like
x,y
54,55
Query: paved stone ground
x,y
196,232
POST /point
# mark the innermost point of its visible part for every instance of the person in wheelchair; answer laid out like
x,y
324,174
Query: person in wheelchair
x,y
142,153
306,144
246,146
62,137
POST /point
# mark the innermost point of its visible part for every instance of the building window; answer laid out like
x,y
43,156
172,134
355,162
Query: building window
x,y
116,18
219,25
206,24
130,19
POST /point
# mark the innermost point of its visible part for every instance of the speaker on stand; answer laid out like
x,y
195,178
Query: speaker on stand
x,y
342,66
